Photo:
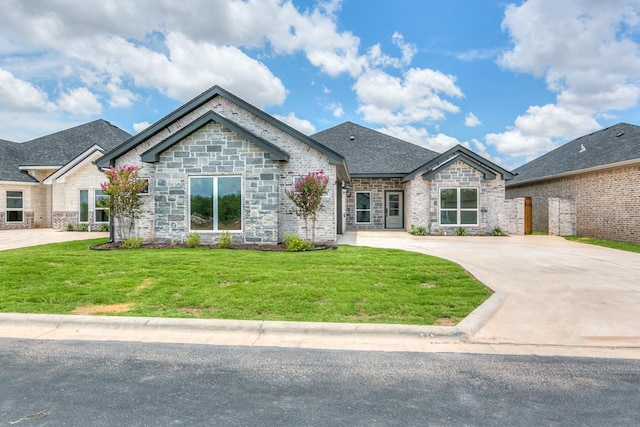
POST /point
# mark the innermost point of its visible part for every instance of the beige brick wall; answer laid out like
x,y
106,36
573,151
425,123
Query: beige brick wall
x,y
377,187
607,203
27,203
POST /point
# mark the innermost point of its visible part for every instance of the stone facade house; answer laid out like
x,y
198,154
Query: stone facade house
x,y
589,186
396,184
218,164
51,181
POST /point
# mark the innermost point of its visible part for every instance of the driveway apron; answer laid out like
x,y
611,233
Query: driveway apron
x,y
557,292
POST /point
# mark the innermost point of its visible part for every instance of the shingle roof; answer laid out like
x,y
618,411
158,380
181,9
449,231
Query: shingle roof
x,y
215,91
372,153
615,144
56,149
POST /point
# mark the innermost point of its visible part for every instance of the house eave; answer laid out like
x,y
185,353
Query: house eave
x,y
378,175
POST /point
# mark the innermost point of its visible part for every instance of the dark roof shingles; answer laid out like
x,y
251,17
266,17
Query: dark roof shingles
x,y
371,152
617,143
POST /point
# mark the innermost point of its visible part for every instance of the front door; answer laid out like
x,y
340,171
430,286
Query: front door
x,y
393,211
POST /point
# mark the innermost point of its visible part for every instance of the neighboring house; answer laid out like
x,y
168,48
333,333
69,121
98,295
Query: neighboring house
x,y
218,164
396,184
51,181
589,186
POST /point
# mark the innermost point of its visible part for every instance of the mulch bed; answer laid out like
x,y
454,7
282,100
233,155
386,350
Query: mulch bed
x,y
245,246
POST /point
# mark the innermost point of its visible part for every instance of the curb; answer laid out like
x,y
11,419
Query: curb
x,y
464,331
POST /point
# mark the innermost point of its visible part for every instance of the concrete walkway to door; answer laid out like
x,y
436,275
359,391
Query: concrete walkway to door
x,y
556,292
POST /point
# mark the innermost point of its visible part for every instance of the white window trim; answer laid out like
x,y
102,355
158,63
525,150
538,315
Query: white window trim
x,y
356,210
96,208
458,209
8,209
215,208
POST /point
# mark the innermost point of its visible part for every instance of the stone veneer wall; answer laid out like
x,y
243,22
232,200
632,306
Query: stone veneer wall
x,y
607,202
491,204
214,150
377,187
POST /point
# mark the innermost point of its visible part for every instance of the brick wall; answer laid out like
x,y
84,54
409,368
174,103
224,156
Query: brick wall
x,y
214,150
607,203
377,187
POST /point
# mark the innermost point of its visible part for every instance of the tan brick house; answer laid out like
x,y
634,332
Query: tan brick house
x,y
589,186
51,181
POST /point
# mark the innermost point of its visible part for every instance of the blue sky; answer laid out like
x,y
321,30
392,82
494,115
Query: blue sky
x,y
510,80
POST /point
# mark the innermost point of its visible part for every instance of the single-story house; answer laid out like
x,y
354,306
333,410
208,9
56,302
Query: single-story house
x,y
218,164
589,186
51,181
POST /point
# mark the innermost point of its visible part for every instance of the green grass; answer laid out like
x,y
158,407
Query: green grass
x,y
351,284
630,247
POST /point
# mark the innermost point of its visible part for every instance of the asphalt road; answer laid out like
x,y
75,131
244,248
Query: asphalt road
x,y
84,383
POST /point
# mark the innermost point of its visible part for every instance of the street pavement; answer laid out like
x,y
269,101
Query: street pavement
x,y
553,297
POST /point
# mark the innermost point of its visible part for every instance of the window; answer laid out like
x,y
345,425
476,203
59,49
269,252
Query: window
x,y
84,205
215,203
145,189
101,211
14,206
459,206
363,207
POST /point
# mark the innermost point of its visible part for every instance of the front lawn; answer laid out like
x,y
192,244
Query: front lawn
x,y
351,284
630,247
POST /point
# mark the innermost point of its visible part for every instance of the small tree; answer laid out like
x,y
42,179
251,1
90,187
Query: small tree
x,y
123,187
307,198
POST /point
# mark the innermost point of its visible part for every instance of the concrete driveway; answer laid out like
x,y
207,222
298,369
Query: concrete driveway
x,y
13,239
556,292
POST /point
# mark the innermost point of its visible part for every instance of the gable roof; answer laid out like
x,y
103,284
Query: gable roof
x,y
463,154
616,144
371,153
57,149
153,154
215,91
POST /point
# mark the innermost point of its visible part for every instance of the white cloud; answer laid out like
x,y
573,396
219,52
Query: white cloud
x,y
376,58
336,109
390,100
80,102
140,126
588,54
304,126
17,94
471,120
420,136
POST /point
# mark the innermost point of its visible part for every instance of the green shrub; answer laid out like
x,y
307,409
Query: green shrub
x,y
193,240
287,238
225,241
497,231
461,231
132,243
418,230
103,228
82,227
296,244
69,227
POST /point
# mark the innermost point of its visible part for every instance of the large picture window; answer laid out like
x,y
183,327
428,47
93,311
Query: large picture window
x,y
459,206
15,206
101,213
363,207
215,203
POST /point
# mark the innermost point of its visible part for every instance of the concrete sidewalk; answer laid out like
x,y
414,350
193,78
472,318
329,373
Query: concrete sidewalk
x,y
556,292
14,239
